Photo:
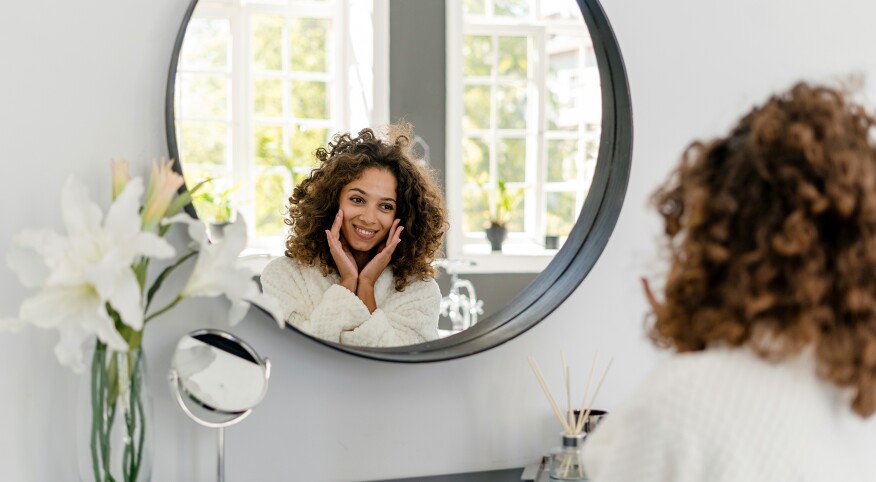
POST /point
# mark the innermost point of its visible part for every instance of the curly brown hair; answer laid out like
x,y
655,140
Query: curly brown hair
x,y
772,239
420,205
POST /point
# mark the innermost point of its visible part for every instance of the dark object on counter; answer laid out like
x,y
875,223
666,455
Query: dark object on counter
x,y
593,419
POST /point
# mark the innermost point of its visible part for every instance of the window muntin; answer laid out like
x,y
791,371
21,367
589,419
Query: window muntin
x,y
531,116
258,87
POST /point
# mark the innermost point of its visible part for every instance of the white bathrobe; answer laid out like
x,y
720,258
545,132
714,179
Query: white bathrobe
x,y
726,415
319,306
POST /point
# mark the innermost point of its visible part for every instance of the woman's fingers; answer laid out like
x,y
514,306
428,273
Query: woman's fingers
x,y
397,237
394,233
649,295
336,224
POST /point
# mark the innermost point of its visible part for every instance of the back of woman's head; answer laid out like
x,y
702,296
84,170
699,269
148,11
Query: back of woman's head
x,y
772,236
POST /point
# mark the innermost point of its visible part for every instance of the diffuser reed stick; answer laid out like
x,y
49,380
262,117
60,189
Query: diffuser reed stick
x,y
566,426
579,427
569,464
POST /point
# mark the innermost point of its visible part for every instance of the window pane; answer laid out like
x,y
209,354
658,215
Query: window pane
x,y
591,144
563,55
215,199
476,159
268,145
267,97
511,160
561,214
203,142
309,100
513,56
206,44
270,200
477,55
561,9
474,7
561,160
267,41
511,102
561,111
515,224
511,8
203,95
475,210
308,44
305,140
564,82
476,99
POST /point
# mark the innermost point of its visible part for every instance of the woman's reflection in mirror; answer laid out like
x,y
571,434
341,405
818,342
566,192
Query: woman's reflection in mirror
x,y
365,226
769,302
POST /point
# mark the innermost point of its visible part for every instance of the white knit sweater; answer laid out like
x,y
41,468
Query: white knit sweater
x,y
319,306
726,415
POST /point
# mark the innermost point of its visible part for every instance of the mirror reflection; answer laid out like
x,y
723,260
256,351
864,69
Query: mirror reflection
x,y
504,96
219,372
217,380
365,226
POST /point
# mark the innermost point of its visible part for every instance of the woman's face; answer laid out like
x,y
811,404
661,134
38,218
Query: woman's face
x,y
369,206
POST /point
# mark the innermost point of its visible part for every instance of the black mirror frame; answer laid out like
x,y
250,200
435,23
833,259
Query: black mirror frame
x,y
584,245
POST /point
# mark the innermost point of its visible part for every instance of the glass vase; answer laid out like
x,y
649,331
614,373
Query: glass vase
x,y
115,418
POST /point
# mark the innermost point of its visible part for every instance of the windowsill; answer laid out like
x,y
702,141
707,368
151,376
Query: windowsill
x,y
475,259
517,256
506,261
257,258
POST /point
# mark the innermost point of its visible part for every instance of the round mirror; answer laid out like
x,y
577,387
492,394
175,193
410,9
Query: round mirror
x,y
535,99
218,377
217,380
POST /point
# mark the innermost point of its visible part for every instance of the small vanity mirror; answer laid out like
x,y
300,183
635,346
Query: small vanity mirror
x,y
217,379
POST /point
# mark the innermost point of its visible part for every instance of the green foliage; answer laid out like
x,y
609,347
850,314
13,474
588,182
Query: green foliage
x,y
503,202
214,205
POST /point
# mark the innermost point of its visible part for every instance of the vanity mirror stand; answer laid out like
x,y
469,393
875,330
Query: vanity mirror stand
x,y
217,379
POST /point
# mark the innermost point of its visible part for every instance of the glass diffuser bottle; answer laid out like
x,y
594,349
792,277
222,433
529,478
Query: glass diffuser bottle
x,y
566,460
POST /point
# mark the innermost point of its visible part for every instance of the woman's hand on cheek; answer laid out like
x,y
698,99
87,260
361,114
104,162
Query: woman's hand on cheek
x,y
380,261
342,255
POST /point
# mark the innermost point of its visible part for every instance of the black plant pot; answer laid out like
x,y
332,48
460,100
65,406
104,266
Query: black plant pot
x,y
496,235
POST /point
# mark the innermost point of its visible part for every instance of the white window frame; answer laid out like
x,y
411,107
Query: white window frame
x,y
350,58
521,252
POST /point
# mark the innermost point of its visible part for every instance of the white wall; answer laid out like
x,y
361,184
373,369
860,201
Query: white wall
x,y
83,82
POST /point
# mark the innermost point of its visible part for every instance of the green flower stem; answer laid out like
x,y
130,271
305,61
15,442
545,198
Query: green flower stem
x,y
156,285
107,370
163,310
95,415
142,416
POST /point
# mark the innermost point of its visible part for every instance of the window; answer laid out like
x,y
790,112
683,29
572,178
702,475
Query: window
x,y
260,84
527,93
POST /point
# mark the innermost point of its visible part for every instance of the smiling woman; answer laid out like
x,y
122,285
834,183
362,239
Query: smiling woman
x,y
526,93
348,276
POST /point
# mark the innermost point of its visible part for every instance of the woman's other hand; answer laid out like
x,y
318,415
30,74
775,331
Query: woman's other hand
x,y
380,261
342,255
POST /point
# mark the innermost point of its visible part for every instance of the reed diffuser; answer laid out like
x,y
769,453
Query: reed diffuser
x,y
565,461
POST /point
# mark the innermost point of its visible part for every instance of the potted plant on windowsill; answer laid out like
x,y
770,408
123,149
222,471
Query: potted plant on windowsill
x,y
502,202
215,208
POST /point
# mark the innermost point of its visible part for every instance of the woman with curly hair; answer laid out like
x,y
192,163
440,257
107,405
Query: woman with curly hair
x,y
769,304
365,227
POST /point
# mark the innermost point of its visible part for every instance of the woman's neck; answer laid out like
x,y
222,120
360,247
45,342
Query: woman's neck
x,y
362,258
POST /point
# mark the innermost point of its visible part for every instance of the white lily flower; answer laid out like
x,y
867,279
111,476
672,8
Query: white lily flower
x,y
9,324
218,270
77,274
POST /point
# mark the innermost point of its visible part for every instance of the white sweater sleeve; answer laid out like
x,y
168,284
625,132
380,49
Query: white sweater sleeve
x,y
320,307
403,318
